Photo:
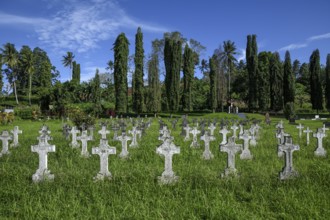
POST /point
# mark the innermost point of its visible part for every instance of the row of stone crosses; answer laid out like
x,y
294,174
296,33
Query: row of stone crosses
x,y
167,148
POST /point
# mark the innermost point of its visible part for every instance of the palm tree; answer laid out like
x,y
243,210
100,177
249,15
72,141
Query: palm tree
x,y
228,58
28,60
10,58
68,60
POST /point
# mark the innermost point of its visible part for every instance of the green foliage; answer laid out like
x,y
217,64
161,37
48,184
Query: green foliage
x,y
121,52
154,88
276,79
315,81
6,118
96,94
138,91
289,111
28,112
327,83
302,97
264,80
75,72
79,117
252,65
188,75
288,80
172,60
212,93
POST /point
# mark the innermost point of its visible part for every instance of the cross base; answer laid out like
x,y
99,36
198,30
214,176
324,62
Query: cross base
x,y
40,176
186,139
320,152
288,174
207,155
85,154
14,145
168,179
124,155
229,172
253,142
102,176
246,155
194,144
134,145
75,145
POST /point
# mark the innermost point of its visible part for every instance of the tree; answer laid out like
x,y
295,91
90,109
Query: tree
x,y
121,52
288,80
1,76
228,58
43,71
67,60
28,60
188,76
10,58
96,94
276,85
327,82
138,92
154,90
264,80
75,72
296,68
252,65
172,60
315,80
213,91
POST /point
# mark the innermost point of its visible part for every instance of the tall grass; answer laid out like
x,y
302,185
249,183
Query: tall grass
x,y
134,192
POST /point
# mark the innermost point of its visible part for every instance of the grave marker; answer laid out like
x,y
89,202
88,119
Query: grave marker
x,y
194,132
246,154
15,133
231,148
207,154
84,138
288,148
5,137
320,151
124,138
224,133
300,127
74,132
307,131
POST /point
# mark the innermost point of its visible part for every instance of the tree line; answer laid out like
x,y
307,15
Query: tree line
x,y
262,83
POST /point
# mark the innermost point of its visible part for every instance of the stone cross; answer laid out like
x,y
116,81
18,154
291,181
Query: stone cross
x,y
103,132
253,141
166,134
324,129
307,131
44,138
15,133
231,148
5,137
42,173
115,129
84,138
300,127
320,151
91,129
288,148
212,127
103,150
74,132
124,138
44,130
234,128
134,133
187,131
66,131
207,154
194,132
281,135
224,133
280,124
168,149
246,154
241,129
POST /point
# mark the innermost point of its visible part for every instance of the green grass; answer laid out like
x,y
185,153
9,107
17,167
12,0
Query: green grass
x,y
134,192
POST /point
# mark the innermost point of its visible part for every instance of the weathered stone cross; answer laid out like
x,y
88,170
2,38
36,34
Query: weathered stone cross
x,y
300,127
212,127
103,132
231,148
74,132
42,173
168,149
187,131
84,138
224,133
5,137
134,133
307,131
246,154
195,132
207,154
288,148
124,138
15,133
103,150
234,128
320,151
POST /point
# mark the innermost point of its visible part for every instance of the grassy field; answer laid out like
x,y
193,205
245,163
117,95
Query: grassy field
x,y
134,192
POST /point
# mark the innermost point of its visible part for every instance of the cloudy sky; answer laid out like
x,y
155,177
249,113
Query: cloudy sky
x,y
88,28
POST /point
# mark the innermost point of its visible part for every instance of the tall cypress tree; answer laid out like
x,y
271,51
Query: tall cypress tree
x,y
121,52
263,80
315,80
172,60
188,75
276,85
213,86
138,92
1,76
154,94
96,94
327,83
252,65
288,80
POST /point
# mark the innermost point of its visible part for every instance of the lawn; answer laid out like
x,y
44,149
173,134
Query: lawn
x,y
134,192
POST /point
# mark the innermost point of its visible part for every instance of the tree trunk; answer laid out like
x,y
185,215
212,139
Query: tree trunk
x,y
30,88
15,92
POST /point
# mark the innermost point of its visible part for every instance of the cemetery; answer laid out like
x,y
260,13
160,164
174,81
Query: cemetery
x,y
163,173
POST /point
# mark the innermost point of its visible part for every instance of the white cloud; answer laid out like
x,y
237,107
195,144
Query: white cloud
x,y
15,19
293,47
242,55
319,37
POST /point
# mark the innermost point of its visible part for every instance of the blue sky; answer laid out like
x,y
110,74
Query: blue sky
x,y
88,28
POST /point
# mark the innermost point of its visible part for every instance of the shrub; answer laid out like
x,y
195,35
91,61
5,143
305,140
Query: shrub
x,y
6,118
